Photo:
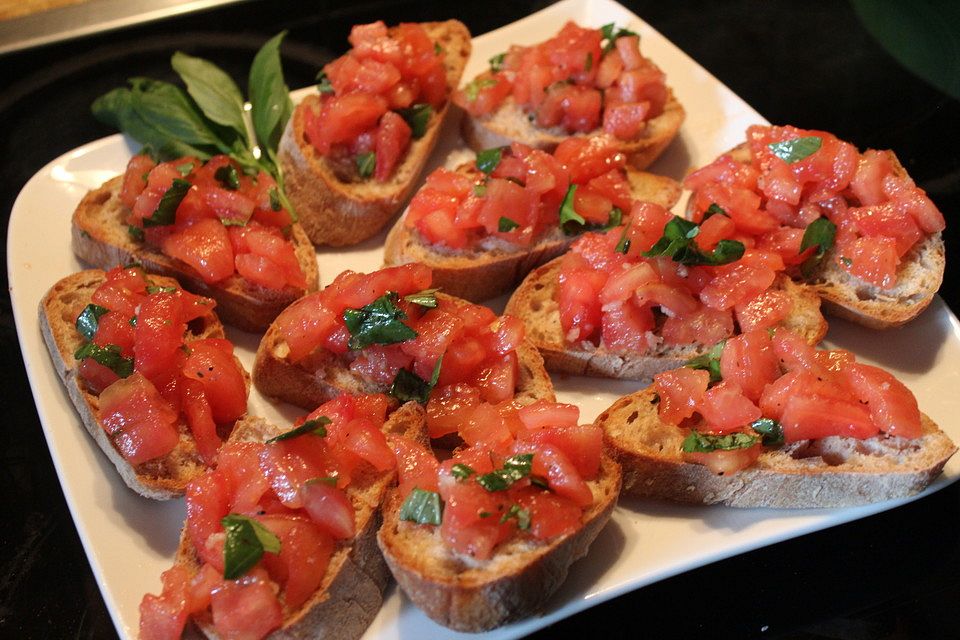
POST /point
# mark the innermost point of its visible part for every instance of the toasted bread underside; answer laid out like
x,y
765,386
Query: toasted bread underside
x,y
323,375
509,124
472,595
496,267
535,303
162,478
336,211
832,472
351,591
100,238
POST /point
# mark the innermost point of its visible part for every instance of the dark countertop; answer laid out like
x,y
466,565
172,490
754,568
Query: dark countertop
x,y
895,575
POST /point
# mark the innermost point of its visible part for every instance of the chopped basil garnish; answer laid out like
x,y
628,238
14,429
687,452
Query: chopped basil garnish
x,y
820,233
366,163
770,430
461,471
152,288
330,481
846,261
227,176
166,211
107,355
473,89
496,62
623,246
426,298
185,168
274,199
245,544
698,442
377,323
709,361
568,214
610,33
480,190
315,427
506,224
489,159
133,323
795,150
422,507
712,210
417,116
135,233
323,83
89,320
409,386
514,468
522,516
678,243
614,220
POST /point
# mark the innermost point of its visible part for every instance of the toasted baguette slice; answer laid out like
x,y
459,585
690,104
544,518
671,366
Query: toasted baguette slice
x,y
338,208
351,591
831,472
535,303
496,267
100,238
510,124
323,375
471,595
163,478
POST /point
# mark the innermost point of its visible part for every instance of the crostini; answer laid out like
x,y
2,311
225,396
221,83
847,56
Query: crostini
x,y
149,372
773,422
221,233
351,154
581,82
870,238
482,228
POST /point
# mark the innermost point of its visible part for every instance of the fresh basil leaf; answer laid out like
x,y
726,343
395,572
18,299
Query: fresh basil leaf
x,y
418,117
185,169
709,361
409,386
168,109
269,96
166,211
473,89
615,219
323,82
152,288
610,33
366,163
569,215
107,355
89,320
496,62
521,515
214,91
426,298
820,233
623,245
461,471
274,194
713,210
135,233
770,431
246,541
422,507
377,323
678,243
489,159
697,442
505,225
795,150
514,468
227,176
315,427
480,190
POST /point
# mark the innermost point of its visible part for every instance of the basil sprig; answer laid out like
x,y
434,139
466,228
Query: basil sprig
x,y
678,243
697,442
422,507
246,542
166,211
409,386
770,431
418,117
514,468
820,233
795,150
489,159
315,427
89,320
709,361
379,322
108,355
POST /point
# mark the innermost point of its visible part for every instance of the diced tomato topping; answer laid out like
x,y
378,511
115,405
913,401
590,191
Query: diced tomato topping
x,y
811,417
892,406
725,408
750,361
305,552
163,617
246,610
139,421
725,461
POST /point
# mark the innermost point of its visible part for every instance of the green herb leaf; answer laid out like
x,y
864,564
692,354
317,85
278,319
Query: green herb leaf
x,y
461,471
166,211
246,541
795,150
152,288
610,33
422,507
185,168
514,468
820,233
437,49
568,215
135,233
522,516
409,386
323,82
377,323
315,427
480,190
418,117
269,95
473,89
505,224
623,245
366,164
274,194
107,355
214,91
698,442
228,177
713,210
168,109
616,217
496,62
489,159
770,430
330,481
89,320
709,361
678,243
426,298
846,261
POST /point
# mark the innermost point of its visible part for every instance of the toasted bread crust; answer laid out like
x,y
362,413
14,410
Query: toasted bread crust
x,y
510,124
100,238
486,272
160,479
338,213
470,595
535,303
351,591
832,472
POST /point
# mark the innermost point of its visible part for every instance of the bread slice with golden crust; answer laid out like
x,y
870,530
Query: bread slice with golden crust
x,y
472,595
831,472
351,591
496,267
100,238
339,209
535,303
162,478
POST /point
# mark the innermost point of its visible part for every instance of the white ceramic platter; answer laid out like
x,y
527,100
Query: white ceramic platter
x,y
130,540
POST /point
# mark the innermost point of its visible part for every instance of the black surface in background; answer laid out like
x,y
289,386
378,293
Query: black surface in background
x,y
894,575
